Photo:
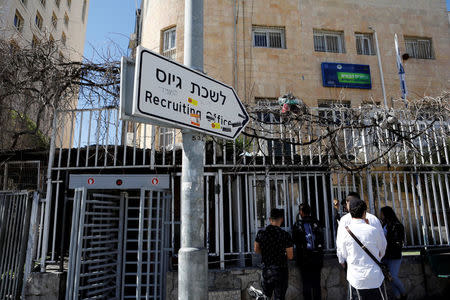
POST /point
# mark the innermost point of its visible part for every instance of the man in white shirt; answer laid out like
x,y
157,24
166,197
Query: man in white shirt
x,y
346,220
363,274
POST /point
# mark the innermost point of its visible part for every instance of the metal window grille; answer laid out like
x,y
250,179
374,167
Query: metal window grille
x,y
326,109
18,21
83,14
364,44
269,37
34,42
63,38
419,48
166,137
169,43
54,20
38,20
329,41
66,20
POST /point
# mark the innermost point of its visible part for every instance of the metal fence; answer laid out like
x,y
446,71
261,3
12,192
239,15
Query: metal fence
x,y
18,211
244,179
100,140
21,175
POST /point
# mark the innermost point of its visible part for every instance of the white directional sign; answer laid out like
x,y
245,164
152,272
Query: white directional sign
x,y
168,92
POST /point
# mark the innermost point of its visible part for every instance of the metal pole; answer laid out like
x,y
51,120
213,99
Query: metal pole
x,y
48,197
380,67
193,257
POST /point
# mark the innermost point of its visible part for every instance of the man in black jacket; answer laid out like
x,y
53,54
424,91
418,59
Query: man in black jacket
x,y
307,234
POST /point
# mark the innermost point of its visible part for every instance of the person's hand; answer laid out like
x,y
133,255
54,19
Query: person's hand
x,y
336,204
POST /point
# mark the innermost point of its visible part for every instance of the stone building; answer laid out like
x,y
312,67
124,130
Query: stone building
x,y
266,49
28,21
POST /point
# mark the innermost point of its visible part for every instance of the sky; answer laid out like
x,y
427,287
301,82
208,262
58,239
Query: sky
x,y
109,20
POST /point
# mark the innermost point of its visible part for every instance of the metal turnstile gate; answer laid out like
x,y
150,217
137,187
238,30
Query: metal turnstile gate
x,y
117,245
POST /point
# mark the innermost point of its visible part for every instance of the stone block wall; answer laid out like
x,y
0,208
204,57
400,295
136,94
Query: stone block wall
x,y
334,284
45,286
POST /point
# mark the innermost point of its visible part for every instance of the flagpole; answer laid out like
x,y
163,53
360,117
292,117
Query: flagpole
x,y
401,71
380,66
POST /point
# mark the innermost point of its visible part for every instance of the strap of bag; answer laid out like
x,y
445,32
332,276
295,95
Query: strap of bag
x,y
363,247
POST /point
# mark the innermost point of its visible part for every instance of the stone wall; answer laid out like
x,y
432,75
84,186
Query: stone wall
x,y
334,284
45,286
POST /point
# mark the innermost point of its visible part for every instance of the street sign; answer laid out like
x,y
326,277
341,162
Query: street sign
x,y
346,75
168,92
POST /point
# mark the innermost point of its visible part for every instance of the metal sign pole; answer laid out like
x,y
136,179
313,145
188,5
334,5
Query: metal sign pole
x,y
192,256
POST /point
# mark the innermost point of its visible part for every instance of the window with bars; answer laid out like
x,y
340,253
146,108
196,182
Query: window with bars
x,y
165,137
83,13
34,42
329,109
270,125
364,44
38,20
66,20
63,38
420,48
169,38
329,41
54,20
269,37
18,21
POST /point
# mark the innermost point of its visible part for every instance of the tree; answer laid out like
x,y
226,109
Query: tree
x,y
36,80
353,138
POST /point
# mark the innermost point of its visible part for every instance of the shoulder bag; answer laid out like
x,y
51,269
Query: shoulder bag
x,y
384,268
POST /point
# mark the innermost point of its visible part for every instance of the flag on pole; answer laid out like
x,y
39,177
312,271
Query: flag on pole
x,y
401,70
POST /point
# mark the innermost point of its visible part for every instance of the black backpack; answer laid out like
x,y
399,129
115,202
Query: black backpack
x,y
308,235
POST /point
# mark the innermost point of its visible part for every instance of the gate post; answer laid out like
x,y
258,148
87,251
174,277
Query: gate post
x,y
193,257
370,191
48,196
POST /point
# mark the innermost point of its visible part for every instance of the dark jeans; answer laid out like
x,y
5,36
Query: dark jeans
x,y
311,283
369,294
275,281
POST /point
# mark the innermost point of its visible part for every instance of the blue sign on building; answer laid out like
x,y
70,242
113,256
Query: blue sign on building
x,y
346,75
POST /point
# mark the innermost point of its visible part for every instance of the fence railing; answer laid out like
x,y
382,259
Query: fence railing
x,y
244,179
97,138
18,215
21,175
238,205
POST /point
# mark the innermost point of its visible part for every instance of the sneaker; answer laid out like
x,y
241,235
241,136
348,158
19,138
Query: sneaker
x,y
255,293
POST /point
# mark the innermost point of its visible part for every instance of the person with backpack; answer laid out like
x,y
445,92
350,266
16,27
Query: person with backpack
x,y
307,234
394,233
